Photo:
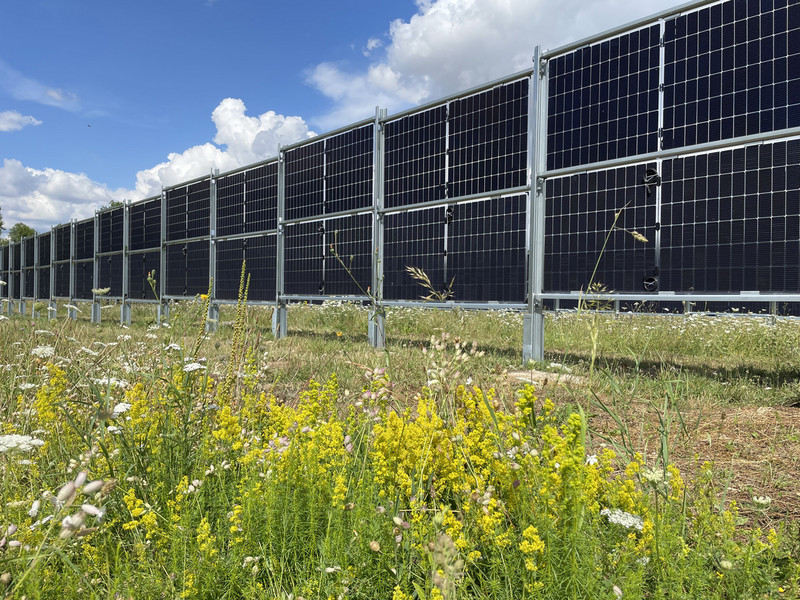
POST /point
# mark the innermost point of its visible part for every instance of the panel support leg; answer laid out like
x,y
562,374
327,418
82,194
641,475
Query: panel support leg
x,y
162,317
533,334
52,310
96,312
279,322
377,328
212,320
125,313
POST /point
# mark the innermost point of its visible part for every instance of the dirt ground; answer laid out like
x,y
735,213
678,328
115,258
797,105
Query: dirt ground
x,y
755,450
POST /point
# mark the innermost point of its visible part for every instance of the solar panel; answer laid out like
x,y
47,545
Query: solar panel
x,y
348,170
109,273
351,239
139,265
145,224
261,198
305,170
110,225
413,239
303,258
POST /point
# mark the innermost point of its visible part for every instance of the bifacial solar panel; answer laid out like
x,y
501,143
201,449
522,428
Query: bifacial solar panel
x,y
486,250
145,225
304,180
61,280
413,239
198,207
16,281
30,278
177,223
260,257
303,258
139,265
583,233
109,273
44,282
111,227
348,170
731,220
731,69
261,198
348,255
230,205
488,137
84,240
603,100
84,279
63,242
16,264
415,158
44,250
187,268
28,253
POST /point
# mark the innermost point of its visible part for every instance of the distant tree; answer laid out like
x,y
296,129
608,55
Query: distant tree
x,y
19,231
112,204
1,222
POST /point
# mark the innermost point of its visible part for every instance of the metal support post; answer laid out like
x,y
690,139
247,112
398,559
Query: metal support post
x,y
52,307
23,308
125,310
96,272
11,288
35,269
163,307
376,331
279,317
212,318
533,320
72,313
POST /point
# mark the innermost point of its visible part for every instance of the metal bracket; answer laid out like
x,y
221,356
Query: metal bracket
x,y
539,185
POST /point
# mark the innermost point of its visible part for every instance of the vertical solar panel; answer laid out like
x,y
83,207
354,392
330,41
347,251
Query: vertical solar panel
x,y
488,140
187,268
139,265
581,233
303,256
44,282
603,100
486,250
84,280
63,242
28,252
413,239
16,280
305,169
731,220
16,264
4,270
198,207
731,69
110,225
177,224
44,250
230,205
61,280
109,273
259,254
261,198
84,240
145,224
351,239
415,152
348,170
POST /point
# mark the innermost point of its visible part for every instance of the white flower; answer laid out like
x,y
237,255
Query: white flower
x,y
23,443
43,351
100,291
626,519
112,382
26,386
172,347
120,408
124,338
192,367
3,318
762,501
113,429
88,351
591,459
72,307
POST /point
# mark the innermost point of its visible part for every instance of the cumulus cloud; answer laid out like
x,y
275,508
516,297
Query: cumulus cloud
x,y
23,88
11,120
42,198
245,139
451,45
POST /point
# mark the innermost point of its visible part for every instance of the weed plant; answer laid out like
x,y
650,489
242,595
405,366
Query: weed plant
x,y
159,462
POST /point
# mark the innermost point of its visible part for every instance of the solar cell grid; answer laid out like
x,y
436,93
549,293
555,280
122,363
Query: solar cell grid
x,y
413,239
415,158
145,225
303,258
488,140
348,170
111,225
30,278
109,273
177,224
581,232
259,252
198,207
44,249
261,198
305,169
603,100
84,240
230,205
731,69
139,265
28,257
351,238
486,250
44,282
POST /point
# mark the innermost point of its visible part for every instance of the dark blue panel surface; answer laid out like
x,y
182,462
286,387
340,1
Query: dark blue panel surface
x,y
145,225
111,225
413,239
305,169
351,239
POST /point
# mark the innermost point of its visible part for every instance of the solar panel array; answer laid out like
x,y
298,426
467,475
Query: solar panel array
x,y
631,200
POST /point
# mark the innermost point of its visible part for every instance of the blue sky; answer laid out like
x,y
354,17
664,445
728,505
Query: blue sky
x,y
102,101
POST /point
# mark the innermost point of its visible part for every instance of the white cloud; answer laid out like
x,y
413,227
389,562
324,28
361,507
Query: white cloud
x,y
11,120
24,88
42,198
451,45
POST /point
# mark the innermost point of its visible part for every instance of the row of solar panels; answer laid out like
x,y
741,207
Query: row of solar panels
x,y
720,222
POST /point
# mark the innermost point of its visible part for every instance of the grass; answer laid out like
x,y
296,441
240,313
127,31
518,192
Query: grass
x,y
330,469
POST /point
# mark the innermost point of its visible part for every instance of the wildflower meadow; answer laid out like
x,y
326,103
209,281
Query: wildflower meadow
x,y
158,461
